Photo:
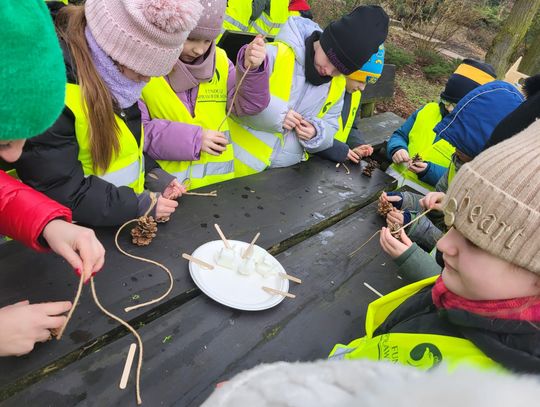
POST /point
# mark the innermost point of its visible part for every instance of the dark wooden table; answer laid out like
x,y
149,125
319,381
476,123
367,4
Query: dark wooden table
x,y
311,216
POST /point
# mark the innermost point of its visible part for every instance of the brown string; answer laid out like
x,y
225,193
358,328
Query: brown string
x,y
70,313
397,231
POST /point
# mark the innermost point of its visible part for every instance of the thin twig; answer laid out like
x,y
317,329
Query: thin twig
x,y
132,330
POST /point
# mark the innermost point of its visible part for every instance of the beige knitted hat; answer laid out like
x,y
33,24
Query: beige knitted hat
x,y
146,36
209,25
494,201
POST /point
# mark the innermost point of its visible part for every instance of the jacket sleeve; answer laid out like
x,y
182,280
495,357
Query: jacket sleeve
x,y
170,140
432,173
415,264
425,233
337,153
400,138
253,94
50,164
326,129
17,201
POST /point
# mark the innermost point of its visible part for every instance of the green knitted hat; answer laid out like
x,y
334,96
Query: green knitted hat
x,y
32,71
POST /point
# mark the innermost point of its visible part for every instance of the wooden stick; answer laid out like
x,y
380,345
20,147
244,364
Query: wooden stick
x,y
171,280
75,301
225,241
127,366
247,253
212,193
278,292
289,277
132,330
201,263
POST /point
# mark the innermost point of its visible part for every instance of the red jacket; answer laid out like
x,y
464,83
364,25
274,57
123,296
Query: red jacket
x,y
24,212
299,5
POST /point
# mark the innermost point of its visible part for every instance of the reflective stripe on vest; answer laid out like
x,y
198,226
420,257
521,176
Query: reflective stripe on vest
x,y
423,351
343,131
127,168
253,148
421,139
210,110
270,23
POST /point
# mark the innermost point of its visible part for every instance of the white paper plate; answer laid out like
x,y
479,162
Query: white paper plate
x,y
230,288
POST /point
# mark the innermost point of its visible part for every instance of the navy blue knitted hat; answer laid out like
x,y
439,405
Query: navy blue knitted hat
x,y
469,75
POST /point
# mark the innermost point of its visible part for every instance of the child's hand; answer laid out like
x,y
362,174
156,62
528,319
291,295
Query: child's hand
x,y
78,245
417,167
292,119
255,53
165,207
365,150
401,156
174,190
394,197
305,130
393,246
213,142
23,324
433,200
353,156
395,217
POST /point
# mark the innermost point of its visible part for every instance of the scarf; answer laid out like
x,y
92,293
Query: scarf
x,y
312,76
125,91
186,76
521,309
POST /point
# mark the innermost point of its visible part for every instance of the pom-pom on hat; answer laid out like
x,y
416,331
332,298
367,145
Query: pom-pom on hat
x,y
32,70
211,21
146,36
371,71
468,75
350,41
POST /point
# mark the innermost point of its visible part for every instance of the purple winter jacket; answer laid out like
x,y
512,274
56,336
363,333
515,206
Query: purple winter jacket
x,y
161,137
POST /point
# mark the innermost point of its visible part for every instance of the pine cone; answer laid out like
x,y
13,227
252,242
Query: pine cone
x,y
417,159
384,207
370,167
394,230
145,231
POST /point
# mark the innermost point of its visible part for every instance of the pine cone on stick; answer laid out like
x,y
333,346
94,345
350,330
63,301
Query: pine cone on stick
x,y
145,231
394,230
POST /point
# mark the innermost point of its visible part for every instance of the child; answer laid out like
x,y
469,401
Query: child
x,y
348,142
416,135
484,309
91,159
33,81
182,111
306,87
467,129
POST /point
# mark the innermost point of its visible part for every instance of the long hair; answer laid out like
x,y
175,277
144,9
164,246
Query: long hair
x,y
97,100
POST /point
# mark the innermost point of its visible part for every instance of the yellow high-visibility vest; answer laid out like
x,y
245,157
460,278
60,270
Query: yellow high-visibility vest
x,y
269,23
421,139
423,351
127,168
210,110
253,149
343,132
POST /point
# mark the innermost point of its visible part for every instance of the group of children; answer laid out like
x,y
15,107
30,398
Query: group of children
x,y
145,110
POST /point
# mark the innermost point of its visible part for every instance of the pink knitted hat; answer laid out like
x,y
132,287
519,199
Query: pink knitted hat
x,y
146,36
209,25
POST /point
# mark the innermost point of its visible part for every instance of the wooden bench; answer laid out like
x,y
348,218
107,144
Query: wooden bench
x,y
311,216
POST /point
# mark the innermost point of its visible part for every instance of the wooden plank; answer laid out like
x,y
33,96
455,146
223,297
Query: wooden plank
x,y
285,205
378,129
383,88
201,343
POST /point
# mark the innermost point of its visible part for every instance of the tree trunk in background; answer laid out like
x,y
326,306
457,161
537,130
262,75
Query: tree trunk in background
x,y
530,64
511,35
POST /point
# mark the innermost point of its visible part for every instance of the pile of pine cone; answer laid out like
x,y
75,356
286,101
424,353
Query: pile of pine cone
x,y
145,231
370,167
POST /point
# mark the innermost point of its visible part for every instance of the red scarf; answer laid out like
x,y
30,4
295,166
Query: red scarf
x,y
522,309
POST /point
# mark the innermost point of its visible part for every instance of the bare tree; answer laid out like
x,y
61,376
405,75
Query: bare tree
x,y
511,34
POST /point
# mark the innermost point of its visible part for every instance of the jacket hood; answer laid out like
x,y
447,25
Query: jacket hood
x,y
471,123
294,33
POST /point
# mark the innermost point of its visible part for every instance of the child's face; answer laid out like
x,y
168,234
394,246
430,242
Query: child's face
x,y
10,151
193,49
475,274
353,86
322,64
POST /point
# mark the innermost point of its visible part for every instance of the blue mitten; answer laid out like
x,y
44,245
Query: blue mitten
x,y
407,217
396,204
